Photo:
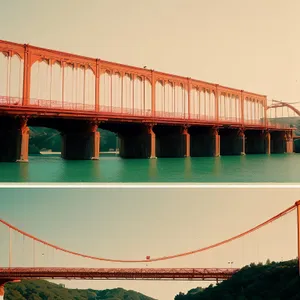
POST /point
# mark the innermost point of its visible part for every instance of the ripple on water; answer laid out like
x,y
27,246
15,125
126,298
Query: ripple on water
x,y
249,168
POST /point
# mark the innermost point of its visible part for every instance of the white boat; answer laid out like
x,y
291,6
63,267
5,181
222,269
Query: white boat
x,y
48,152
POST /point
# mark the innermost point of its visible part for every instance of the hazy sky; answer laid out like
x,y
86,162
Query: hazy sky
x,y
251,45
134,223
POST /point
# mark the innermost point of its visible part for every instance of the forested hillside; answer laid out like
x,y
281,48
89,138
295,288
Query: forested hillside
x,y
46,138
271,281
44,290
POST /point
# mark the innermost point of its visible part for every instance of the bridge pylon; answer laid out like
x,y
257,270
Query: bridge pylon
x,y
298,232
2,284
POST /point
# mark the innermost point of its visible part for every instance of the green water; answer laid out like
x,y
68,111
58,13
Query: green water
x,y
249,168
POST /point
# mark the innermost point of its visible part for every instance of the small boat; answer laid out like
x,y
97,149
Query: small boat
x,y
48,152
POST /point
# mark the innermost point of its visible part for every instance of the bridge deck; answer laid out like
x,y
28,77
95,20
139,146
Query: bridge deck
x,y
208,274
7,108
47,82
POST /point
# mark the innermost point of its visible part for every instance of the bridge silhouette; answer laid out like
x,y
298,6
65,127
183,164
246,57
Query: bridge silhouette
x,y
15,273
154,114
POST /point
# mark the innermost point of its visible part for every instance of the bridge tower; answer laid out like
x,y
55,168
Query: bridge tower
x,y
2,283
298,232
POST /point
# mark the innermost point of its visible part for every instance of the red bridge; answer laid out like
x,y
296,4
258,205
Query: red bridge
x,y
154,114
14,273
216,274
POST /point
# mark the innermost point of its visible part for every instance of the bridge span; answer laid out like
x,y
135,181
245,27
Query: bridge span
x,y
154,114
14,273
178,274
208,274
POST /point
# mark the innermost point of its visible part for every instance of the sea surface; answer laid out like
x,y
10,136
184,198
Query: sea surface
x,y
283,168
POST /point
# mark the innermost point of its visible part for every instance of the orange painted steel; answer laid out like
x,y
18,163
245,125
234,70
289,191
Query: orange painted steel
x,y
208,274
281,214
284,104
67,108
297,204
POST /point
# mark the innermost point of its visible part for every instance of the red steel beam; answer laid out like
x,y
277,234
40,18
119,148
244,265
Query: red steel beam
x,y
44,53
210,274
31,54
118,117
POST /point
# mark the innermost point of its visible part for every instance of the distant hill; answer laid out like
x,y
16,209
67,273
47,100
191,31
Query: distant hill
x,y
272,281
44,290
286,120
47,138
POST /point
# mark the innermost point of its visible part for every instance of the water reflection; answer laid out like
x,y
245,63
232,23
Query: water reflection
x,y
249,168
217,166
188,168
152,169
24,172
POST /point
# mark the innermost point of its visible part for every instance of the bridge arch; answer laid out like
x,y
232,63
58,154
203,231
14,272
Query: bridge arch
x,y
124,93
11,75
62,85
280,109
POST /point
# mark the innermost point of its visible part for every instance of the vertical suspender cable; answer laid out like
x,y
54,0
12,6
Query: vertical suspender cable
x,y
10,248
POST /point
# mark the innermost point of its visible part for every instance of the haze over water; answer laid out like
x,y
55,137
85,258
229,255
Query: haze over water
x,y
249,168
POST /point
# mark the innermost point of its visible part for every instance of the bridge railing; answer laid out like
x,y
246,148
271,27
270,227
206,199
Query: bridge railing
x,y
116,111
11,101
125,111
61,105
118,273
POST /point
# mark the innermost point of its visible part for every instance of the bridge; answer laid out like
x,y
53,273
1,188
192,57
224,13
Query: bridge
x,y
13,273
154,114
207,274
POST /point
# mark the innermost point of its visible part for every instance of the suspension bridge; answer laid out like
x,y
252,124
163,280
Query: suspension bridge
x,y
13,273
154,114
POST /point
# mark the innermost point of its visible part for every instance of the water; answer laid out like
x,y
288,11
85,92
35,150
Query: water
x,y
249,168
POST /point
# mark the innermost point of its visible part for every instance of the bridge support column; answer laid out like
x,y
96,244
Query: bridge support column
x,y
268,143
1,291
187,142
255,142
243,142
278,142
14,136
298,233
24,141
139,145
2,284
216,143
232,142
289,143
152,142
81,145
172,141
204,142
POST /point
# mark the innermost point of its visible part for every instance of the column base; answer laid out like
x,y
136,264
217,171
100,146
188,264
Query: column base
x,y
22,160
15,144
289,146
203,145
142,144
80,145
243,153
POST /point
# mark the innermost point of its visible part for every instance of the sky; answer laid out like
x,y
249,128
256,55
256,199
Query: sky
x,y
250,45
133,223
